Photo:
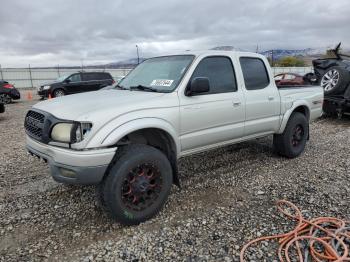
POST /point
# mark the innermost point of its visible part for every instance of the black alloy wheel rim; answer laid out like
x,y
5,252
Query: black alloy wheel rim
x,y
141,187
298,135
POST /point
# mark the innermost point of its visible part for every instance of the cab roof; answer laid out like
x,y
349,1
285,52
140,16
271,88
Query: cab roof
x,y
215,52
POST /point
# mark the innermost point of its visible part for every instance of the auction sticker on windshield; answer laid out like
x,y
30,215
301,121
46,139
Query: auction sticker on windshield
x,y
162,82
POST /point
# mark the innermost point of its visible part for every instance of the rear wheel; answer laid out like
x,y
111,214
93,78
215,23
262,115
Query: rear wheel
x,y
137,185
58,93
335,80
291,143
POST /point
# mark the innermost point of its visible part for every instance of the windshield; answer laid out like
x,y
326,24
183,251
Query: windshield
x,y
161,74
61,78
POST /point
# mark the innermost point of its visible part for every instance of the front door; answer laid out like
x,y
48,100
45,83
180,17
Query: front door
x,y
74,84
216,116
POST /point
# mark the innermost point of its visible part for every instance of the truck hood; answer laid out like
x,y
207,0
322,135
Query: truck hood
x,y
74,107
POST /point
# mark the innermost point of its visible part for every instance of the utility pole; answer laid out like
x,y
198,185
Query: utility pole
x,y
30,75
272,58
2,77
138,56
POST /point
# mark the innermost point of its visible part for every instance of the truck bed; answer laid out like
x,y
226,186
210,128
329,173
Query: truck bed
x,y
311,93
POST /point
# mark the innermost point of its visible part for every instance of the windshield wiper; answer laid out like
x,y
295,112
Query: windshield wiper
x,y
143,88
120,87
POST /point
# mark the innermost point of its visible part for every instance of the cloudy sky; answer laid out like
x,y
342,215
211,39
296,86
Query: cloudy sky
x,y
51,32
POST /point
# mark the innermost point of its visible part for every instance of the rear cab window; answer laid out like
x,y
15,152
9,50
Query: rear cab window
x,y
254,73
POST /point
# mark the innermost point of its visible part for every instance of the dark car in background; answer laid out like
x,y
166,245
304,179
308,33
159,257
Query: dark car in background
x,y
8,92
76,83
333,74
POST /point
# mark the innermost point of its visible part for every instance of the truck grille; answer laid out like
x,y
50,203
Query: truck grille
x,y
34,124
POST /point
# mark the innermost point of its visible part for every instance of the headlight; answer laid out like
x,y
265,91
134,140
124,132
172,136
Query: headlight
x,y
46,87
62,132
70,132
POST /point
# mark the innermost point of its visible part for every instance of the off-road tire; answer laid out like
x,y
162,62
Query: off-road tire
x,y
127,159
283,143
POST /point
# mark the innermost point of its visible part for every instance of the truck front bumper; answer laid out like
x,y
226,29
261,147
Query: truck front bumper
x,y
70,166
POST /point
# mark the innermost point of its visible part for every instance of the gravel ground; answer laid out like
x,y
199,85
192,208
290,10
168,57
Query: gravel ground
x,y
228,197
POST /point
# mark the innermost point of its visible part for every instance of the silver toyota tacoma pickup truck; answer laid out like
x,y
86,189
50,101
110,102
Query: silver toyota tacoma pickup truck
x,y
127,140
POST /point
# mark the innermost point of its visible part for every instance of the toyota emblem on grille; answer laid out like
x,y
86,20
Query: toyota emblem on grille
x,y
33,122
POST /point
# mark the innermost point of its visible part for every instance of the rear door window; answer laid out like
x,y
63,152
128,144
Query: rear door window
x,y
289,77
254,73
90,76
104,76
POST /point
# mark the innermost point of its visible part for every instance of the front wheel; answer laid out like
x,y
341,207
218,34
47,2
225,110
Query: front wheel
x,y
58,93
291,143
5,98
137,185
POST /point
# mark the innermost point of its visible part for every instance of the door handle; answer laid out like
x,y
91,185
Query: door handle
x,y
271,98
192,107
236,103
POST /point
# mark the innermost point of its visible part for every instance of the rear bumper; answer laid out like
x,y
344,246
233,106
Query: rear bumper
x,y
70,166
13,93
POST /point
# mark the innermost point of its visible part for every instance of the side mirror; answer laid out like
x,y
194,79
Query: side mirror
x,y
198,85
67,81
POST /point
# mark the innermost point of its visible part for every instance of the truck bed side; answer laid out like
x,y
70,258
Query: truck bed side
x,y
309,98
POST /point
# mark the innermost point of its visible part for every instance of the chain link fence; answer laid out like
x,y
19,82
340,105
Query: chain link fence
x,y
34,77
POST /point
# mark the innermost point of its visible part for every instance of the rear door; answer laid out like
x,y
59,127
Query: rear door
x,y
261,96
90,81
216,116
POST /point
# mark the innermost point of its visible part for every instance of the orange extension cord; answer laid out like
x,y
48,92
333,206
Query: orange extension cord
x,y
319,239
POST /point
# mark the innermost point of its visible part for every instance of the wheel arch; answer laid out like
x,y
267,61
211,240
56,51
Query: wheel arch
x,y
153,132
52,90
301,108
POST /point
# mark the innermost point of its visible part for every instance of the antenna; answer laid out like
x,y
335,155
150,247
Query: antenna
x,y
138,56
